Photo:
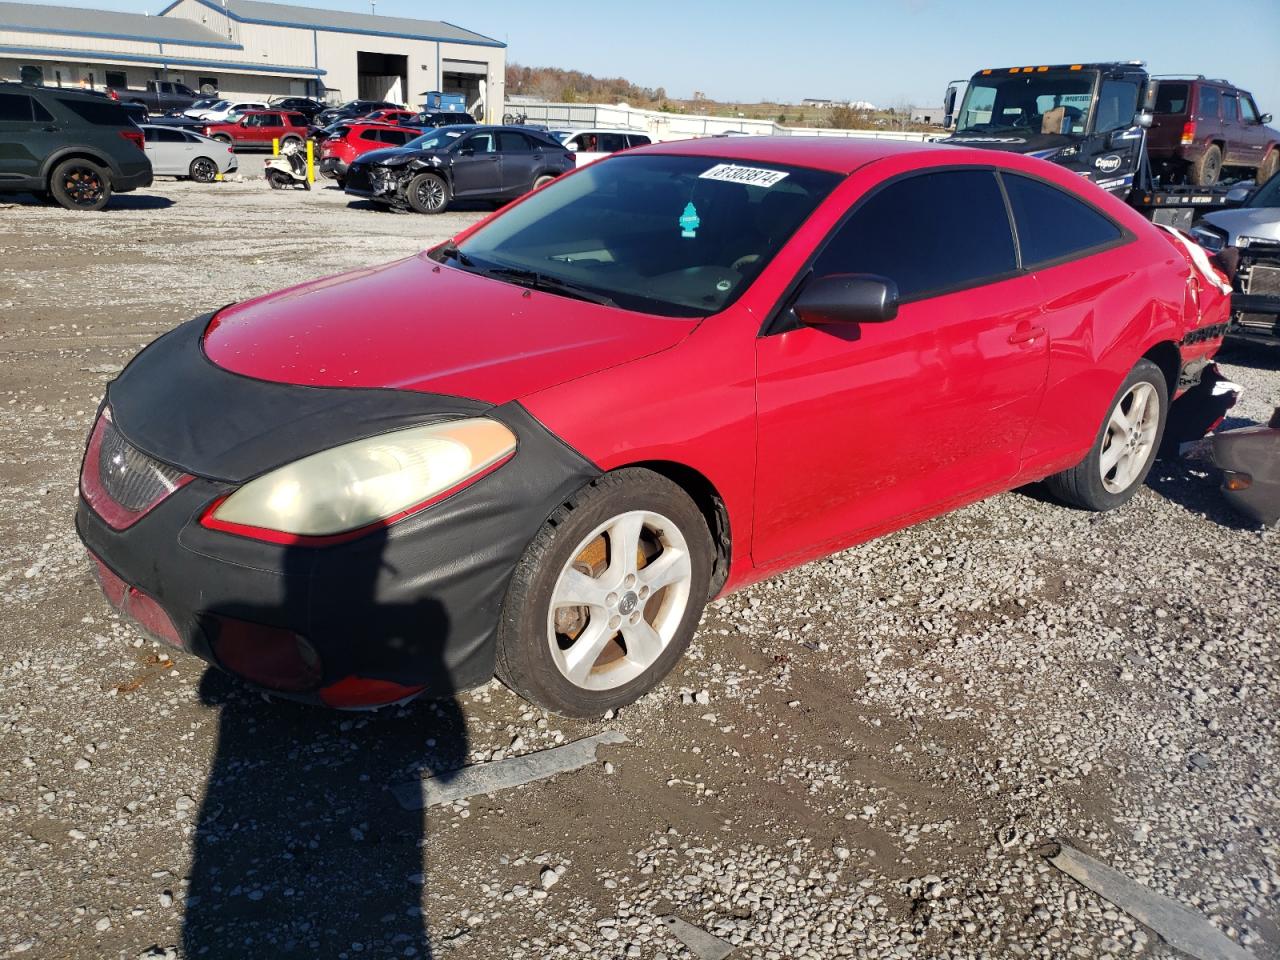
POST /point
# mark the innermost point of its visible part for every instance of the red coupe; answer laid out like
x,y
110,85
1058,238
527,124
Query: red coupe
x,y
539,449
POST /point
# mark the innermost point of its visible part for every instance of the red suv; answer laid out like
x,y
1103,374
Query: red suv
x,y
352,139
389,116
1205,126
258,128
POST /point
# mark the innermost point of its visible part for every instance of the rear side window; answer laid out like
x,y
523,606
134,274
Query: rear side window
x,y
929,234
1052,225
100,113
17,108
513,143
170,136
371,135
1171,98
296,120
398,137
638,139
1208,106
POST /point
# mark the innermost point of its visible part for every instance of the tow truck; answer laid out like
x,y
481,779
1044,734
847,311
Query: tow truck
x,y
1091,118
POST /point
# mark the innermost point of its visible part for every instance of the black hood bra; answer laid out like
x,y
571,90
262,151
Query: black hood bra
x,y
176,405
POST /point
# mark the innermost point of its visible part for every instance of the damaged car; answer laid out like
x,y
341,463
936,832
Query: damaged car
x,y
470,162
539,449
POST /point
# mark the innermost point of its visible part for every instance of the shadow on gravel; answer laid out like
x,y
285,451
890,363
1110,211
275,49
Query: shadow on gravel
x,y
120,201
300,849
457,206
1194,486
1255,355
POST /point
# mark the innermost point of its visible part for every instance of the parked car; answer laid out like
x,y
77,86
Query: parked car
x,y
539,449
158,96
259,128
590,145
463,163
1205,127
350,140
350,111
1247,241
1249,458
225,110
307,106
182,153
71,146
389,116
439,118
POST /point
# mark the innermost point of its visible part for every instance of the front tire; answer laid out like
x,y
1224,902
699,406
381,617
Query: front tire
x,y
427,193
80,185
607,596
542,181
1125,447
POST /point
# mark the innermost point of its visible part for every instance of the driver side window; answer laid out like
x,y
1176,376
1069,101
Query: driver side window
x,y
1117,104
480,143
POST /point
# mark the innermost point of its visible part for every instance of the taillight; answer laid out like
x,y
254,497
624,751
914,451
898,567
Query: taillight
x,y
113,95
135,137
271,657
1189,132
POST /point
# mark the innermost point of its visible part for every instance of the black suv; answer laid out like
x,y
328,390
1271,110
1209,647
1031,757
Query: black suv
x,y
73,147
349,111
307,106
463,162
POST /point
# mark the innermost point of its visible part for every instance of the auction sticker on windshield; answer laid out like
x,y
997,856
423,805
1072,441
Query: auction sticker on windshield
x,y
751,176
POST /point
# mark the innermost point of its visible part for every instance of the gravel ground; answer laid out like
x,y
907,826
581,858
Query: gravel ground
x,y
865,757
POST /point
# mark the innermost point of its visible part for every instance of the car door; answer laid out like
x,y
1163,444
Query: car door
x,y
520,161
270,127
169,152
28,134
863,428
1253,133
1236,150
476,165
1113,151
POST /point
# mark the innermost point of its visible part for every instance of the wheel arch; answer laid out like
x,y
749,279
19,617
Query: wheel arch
x,y
1168,358
709,503
75,153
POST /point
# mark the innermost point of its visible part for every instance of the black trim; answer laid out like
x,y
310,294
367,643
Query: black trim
x,y
776,321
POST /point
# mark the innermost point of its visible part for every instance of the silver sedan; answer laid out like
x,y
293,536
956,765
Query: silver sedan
x,y
175,152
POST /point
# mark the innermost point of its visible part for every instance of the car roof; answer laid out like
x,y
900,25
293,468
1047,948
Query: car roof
x,y
594,130
836,154
11,87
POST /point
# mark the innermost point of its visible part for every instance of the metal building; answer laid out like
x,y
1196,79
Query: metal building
x,y
252,48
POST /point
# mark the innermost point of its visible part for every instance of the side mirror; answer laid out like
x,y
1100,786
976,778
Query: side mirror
x,y
949,108
1144,119
841,298
1265,118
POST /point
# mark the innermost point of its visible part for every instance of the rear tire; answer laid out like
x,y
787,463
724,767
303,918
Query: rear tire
x,y
80,185
1125,447
203,170
639,611
428,193
1270,163
542,181
1206,170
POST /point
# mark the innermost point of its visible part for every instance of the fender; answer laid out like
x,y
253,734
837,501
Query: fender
x,y
78,150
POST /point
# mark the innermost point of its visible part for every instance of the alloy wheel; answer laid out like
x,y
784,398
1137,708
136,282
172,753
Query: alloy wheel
x,y
431,193
203,170
619,601
1131,435
83,185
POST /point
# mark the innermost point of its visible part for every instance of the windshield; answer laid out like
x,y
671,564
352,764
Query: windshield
x,y
436,140
1268,195
1027,104
561,135
678,236
220,105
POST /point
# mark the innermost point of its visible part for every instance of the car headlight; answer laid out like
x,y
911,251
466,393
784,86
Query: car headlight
x,y
366,483
1209,238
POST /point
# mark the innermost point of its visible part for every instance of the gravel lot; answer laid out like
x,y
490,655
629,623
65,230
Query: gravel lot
x,y
865,757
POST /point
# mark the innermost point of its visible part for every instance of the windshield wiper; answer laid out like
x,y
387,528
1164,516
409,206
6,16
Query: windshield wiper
x,y
450,251
541,281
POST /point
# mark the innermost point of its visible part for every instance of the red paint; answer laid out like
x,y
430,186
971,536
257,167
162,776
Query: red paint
x,y
284,124
134,605
389,116
268,535
348,143
813,439
116,515
271,657
354,693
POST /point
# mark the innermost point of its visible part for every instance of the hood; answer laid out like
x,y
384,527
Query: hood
x,y
418,325
1012,141
1263,222
406,153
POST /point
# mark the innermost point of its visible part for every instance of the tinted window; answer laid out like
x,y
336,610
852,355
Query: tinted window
x,y
1117,104
1208,106
170,136
1171,98
102,113
372,135
1229,107
16,108
398,137
480,143
638,139
513,143
1052,224
296,120
1246,110
41,114
927,233
611,142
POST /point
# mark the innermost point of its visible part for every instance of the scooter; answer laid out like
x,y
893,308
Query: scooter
x,y
289,169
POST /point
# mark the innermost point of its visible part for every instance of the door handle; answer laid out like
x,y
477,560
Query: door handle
x,y
1026,334
52,129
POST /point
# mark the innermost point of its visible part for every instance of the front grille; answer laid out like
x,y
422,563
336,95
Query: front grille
x,y
129,476
1262,280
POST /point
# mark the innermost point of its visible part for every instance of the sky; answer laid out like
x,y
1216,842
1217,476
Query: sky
x,y
890,52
